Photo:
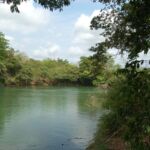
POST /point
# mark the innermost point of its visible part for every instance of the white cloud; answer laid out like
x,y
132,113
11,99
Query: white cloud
x,y
83,22
76,51
50,51
28,20
83,34
84,37
30,30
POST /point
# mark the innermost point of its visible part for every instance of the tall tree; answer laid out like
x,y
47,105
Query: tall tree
x,y
3,47
126,25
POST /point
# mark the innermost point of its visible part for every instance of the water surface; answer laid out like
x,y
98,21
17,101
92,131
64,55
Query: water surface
x,y
48,118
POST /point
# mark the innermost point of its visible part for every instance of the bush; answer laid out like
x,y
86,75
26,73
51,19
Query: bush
x,y
128,104
24,76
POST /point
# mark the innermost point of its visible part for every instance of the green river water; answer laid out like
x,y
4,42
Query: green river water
x,y
52,118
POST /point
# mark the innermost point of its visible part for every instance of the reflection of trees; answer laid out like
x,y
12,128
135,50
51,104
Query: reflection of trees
x,y
89,101
15,100
8,100
53,98
26,100
12,102
49,110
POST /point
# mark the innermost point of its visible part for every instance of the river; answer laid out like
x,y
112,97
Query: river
x,y
49,118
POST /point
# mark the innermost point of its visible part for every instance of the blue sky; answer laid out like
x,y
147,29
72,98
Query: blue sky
x,y
42,34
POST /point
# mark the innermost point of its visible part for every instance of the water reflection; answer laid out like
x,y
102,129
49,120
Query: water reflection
x,y
47,118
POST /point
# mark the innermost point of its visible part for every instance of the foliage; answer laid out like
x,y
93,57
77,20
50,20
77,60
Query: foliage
x,y
96,69
17,69
48,4
129,103
126,25
86,69
24,76
3,47
2,72
12,63
127,115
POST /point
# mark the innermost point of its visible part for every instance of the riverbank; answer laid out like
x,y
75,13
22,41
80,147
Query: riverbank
x,y
113,143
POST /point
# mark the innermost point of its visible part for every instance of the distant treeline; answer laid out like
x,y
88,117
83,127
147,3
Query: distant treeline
x,y
16,69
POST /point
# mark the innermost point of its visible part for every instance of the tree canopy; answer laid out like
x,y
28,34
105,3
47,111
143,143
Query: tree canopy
x,y
18,69
126,25
48,4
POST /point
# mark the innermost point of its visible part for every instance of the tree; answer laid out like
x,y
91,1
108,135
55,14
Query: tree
x,y
13,64
24,76
4,45
86,70
126,25
48,4
96,69
3,71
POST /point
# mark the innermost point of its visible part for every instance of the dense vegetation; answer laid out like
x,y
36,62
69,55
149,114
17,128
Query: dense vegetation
x,y
126,27
17,69
126,123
